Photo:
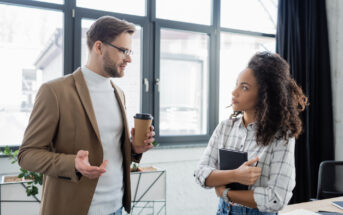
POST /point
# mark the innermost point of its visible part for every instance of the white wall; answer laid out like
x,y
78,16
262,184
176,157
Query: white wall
x,y
335,25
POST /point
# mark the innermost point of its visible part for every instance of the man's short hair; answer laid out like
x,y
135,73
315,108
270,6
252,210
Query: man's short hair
x,y
106,29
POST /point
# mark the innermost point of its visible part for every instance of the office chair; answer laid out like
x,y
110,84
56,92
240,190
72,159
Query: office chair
x,y
330,179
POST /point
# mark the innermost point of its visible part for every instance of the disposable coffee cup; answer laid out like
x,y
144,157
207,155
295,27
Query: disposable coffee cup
x,y
142,123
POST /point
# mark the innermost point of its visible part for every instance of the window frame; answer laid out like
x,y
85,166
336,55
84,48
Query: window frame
x,y
150,66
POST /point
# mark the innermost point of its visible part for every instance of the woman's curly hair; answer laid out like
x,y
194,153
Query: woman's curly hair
x,y
280,99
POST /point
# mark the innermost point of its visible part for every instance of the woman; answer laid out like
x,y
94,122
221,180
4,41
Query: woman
x,y
265,123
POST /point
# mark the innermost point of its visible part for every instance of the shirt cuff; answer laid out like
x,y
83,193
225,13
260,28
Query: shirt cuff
x,y
136,157
265,201
259,197
69,172
202,174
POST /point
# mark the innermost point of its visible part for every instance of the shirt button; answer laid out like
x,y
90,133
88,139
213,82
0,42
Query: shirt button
x,y
275,202
241,146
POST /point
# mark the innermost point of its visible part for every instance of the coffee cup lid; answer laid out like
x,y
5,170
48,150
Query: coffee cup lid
x,y
143,116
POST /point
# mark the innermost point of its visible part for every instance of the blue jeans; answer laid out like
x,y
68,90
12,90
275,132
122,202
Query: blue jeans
x,y
227,209
118,212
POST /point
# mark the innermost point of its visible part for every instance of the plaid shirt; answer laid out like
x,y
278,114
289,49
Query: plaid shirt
x,y
273,189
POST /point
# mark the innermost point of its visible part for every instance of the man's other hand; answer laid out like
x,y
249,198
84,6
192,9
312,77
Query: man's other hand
x,y
147,142
83,166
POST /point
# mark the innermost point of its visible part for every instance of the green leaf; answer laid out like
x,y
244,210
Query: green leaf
x,y
7,150
155,144
15,154
134,166
34,190
37,178
31,190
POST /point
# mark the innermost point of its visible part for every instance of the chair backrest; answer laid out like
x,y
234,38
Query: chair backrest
x,y
330,179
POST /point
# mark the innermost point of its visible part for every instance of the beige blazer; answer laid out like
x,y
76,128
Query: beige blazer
x,y
63,122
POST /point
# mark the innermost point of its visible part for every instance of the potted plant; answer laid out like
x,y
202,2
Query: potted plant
x,y
135,166
148,189
31,179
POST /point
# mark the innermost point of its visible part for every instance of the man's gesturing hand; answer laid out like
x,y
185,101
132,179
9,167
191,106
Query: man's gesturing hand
x,y
83,166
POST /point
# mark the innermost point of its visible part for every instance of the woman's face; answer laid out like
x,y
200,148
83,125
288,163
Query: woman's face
x,y
244,96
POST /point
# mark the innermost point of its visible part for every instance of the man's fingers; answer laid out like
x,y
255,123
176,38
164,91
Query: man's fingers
x,y
152,128
85,168
104,164
96,173
149,146
149,141
252,161
94,170
82,154
150,134
81,164
92,175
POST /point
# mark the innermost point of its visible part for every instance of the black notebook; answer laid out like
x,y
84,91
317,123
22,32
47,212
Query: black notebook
x,y
230,159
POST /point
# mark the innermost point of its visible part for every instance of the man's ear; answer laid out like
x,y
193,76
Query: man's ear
x,y
98,47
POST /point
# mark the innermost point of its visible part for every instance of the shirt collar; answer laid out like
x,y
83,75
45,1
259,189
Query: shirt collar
x,y
251,126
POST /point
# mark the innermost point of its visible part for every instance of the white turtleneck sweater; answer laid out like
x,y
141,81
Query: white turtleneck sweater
x,y
109,191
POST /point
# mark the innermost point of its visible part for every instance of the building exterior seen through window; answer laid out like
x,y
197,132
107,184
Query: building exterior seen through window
x,y
31,52
183,83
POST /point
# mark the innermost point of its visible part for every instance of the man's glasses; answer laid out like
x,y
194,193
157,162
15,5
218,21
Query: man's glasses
x,y
126,52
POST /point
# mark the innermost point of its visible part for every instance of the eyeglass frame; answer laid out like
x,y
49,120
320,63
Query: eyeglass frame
x,y
126,52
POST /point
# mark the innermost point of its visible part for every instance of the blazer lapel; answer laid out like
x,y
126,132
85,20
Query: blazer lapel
x,y
121,101
86,101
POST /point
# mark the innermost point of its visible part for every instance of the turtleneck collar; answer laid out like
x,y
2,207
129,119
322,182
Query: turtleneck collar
x,y
96,81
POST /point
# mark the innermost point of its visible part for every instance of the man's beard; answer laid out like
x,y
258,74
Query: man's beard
x,y
110,68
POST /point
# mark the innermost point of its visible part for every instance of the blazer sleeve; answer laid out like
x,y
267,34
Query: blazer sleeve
x,y
35,153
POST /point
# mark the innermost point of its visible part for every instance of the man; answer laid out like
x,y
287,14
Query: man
x,y
77,134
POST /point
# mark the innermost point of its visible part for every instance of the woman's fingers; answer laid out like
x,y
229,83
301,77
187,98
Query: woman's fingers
x,y
251,162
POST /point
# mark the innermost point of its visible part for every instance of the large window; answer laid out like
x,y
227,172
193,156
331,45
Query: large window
x,y
187,56
52,1
31,52
256,22
249,15
181,10
235,52
183,83
134,7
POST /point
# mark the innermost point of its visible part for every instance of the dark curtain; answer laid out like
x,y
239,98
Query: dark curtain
x,y
302,39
